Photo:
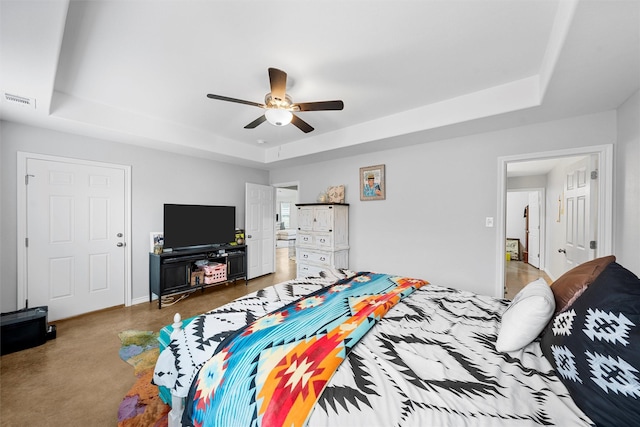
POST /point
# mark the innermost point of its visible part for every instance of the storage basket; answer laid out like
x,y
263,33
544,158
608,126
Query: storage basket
x,y
214,272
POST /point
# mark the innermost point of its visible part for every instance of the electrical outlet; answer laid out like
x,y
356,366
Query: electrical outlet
x,y
489,221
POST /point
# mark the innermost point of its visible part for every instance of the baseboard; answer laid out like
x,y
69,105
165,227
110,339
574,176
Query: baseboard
x,y
141,300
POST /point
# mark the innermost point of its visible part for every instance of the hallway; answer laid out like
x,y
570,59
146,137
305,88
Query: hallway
x,y
518,275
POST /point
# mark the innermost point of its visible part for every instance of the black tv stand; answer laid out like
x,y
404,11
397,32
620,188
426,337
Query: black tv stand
x,y
170,273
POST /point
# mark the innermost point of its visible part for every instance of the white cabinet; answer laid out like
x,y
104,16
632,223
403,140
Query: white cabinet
x,y
322,240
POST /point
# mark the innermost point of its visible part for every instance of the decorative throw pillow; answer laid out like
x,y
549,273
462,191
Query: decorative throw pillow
x,y
594,347
336,194
573,283
526,316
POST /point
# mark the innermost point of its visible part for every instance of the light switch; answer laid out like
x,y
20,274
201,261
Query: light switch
x,y
489,221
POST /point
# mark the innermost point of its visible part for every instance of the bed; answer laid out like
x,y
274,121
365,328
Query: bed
x,y
418,354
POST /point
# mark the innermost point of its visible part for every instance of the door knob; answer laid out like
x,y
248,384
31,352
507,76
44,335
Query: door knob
x,y
119,235
120,244
248,236
562,251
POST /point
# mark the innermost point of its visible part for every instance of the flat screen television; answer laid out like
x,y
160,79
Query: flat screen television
x,y
192,226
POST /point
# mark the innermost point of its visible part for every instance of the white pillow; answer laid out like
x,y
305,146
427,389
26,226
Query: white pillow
x,y
526,316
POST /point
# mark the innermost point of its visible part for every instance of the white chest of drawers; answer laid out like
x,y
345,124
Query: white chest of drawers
x,y
322,240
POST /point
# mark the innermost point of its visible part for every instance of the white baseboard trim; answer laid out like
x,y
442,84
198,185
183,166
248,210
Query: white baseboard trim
x,y
140,300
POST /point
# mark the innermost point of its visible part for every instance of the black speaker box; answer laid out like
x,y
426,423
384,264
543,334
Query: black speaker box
x,y
24,329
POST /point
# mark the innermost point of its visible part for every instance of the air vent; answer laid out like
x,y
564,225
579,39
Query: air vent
x,y
20,100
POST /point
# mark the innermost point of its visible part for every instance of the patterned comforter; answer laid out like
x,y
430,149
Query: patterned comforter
x,y
272,372
432,361
194,345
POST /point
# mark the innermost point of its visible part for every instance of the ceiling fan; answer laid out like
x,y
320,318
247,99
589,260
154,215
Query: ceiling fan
x,y
279,107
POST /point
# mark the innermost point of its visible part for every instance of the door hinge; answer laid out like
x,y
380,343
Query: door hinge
x,y
26,179
26,242
593,244
594,174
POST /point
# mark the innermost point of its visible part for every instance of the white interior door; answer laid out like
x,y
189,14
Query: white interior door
x,y
75,226
534,229
580,221
260,229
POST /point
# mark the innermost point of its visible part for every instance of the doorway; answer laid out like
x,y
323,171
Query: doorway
x,y
287,195
525,230
525,215
541,164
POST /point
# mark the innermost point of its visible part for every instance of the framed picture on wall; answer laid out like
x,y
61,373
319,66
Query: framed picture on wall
x,y
156,242
372,186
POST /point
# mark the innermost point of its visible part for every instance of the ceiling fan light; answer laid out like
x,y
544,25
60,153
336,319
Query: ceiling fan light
x,y
278,117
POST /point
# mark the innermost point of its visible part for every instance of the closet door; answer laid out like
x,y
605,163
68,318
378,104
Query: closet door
x,y
76,252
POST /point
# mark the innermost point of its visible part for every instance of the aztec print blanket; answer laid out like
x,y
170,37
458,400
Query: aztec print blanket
x,y
274,370
182,357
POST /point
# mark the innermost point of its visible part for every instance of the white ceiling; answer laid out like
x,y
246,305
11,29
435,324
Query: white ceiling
x,y
139,71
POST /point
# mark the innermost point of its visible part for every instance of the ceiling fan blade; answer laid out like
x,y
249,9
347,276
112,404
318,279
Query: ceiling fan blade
x,y
320,106
301,124
278,80
239,101
256,122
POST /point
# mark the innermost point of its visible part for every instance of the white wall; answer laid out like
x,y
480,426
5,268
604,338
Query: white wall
x,y
517,201
627,186
157,177
432,223
526,182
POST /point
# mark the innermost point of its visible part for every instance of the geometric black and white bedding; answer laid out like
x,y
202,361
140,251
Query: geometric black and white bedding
x,y
430,361
196,342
